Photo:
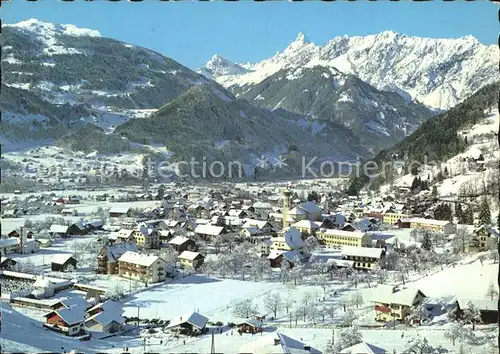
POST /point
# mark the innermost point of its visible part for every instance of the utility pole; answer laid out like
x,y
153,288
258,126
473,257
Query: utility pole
x,y
137,316
333,337
212,348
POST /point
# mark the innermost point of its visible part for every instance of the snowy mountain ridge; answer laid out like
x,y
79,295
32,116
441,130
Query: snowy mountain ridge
x,y
437,72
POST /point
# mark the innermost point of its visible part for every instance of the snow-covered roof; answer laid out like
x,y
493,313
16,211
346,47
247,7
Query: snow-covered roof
x,y
257,223
194,319
340,262
209,230
252,230
120,209
137,258
61,258
114,252
293,238
389,295
43,283
307,224
309,207
9,241
73,315
363,348
75,301
343,233
106,317
296,211
362,251
429,221
189,255
58,229
293,346
108,305
178,240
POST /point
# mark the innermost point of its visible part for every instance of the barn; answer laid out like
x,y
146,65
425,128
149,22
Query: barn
x,y
63,262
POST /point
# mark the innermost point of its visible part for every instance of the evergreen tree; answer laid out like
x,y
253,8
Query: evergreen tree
x,y
434,191
458,212
467,217
443,212
426,241
145,173
484,212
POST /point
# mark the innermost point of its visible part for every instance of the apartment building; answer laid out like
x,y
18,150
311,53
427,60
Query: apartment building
x,y
364,257
339,238
150,269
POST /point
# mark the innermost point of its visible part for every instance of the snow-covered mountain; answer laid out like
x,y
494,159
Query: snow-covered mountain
x,y
437,72
218,66
66,64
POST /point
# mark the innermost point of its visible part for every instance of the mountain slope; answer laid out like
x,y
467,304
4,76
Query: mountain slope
x,y
213,124
325,94
27,119
218,66
65,64
435,141
437,72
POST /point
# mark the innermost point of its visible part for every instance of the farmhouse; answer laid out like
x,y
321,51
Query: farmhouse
x,y
69,320
59,231
250,326
340,238
364,257
391,304
307,226
63,262
487,308
485,238
191,259
190,324
209,231
119,211
262,225
181,244
150,269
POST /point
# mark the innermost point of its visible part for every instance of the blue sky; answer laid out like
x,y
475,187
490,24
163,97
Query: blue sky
x,y
191,32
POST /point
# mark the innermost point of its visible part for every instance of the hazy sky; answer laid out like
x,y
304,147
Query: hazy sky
x,y
246,31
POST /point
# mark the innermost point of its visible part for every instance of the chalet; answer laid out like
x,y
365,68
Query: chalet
x,y
289,241
43,287
70,321
77,229
364,257
392,304
7,263
487,308
263,225
209,231
340,238
277,257
486,238
63,262
14,233
190,324
107,260
120,211
250,326
191,259
123,236
44,242
150,269
59,231
403,223
181,244
105,317
250,231
107,322
70,302
363,348
165,235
